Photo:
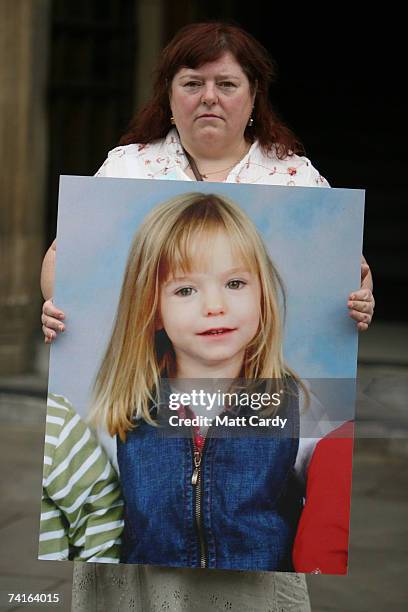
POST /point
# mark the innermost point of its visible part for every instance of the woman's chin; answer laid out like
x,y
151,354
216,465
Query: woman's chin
x,y
211,133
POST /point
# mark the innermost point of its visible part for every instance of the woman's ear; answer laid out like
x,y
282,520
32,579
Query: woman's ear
x,y
254,92
168,85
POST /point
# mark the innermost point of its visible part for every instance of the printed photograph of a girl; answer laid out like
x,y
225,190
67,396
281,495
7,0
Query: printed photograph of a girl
x,y
201,299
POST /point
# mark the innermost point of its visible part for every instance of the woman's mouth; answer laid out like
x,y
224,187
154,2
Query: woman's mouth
x,y
208,116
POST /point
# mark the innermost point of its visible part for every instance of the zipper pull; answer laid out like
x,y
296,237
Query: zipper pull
x,y
197,462
194,478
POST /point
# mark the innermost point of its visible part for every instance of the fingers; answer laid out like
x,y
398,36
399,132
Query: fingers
x,y
362,326
49,334
51,320
50,329
52,311
362,300
52,323
361,308
361,318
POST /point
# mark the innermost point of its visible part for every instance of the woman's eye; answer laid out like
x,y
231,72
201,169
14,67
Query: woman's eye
x,y
235,284
227,84
192,84
185,291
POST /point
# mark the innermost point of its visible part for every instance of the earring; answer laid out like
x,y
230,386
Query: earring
x,y
172,120
251,122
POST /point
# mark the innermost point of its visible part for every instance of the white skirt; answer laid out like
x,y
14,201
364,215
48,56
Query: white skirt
x,y
98,587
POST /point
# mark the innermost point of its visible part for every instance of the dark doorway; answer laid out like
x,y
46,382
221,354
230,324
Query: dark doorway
x,y
91,83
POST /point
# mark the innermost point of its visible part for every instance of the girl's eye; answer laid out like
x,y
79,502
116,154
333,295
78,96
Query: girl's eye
x,y
235,284
185,291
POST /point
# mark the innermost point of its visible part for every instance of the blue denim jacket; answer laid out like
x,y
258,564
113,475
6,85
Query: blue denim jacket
x,y
241,514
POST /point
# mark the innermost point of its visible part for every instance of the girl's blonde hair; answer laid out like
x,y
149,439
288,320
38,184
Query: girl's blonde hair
x,y
138,355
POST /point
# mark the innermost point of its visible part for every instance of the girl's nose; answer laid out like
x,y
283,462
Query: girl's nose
x,y
214,310
213,305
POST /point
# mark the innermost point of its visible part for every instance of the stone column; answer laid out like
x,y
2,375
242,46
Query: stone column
x,y
150,26
24,35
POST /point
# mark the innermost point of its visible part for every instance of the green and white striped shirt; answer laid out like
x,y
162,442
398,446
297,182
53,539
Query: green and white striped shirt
x,y
82,506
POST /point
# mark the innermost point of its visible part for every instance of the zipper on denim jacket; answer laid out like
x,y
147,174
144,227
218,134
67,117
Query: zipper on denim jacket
x,y
196,482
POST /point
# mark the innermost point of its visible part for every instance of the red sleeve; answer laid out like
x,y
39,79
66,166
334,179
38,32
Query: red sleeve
x,y
321,543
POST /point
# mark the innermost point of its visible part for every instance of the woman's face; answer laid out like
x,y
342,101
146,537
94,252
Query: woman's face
x,y
212,103
212,313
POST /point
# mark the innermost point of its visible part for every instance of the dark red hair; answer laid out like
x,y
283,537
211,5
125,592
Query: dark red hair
x,y
195,45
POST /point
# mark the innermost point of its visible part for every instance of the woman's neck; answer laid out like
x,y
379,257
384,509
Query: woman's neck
x,y
215,163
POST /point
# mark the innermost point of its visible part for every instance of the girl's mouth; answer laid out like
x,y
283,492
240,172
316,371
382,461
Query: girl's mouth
x,y
217,331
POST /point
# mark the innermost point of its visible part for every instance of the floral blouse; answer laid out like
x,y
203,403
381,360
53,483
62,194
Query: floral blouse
x,y
165,159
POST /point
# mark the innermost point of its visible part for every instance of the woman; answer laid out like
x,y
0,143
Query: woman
x,y
209,119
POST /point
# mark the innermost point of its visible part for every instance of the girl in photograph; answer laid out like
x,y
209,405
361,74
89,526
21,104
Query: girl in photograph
x,y
200,300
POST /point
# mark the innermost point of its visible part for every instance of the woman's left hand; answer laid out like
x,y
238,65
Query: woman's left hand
x,y
361,303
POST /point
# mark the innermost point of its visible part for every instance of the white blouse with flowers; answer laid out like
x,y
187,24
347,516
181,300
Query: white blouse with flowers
x,y
165,159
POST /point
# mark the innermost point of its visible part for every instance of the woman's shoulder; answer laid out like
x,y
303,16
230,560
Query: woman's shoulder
x,y
132,160
264,166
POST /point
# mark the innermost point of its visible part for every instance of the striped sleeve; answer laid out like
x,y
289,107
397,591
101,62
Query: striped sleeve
x,y
82,506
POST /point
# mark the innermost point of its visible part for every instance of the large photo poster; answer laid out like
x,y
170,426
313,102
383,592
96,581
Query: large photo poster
x,y
201,401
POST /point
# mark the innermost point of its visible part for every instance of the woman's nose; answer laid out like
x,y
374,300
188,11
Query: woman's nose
x,y
209,95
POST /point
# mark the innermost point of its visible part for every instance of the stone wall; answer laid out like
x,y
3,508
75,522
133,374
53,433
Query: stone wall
x,y
23,71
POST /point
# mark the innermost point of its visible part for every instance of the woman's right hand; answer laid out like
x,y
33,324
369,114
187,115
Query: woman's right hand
x,y
51,319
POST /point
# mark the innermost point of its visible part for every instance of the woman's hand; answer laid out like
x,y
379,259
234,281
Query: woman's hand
x,y
51,317
51,320
361,303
